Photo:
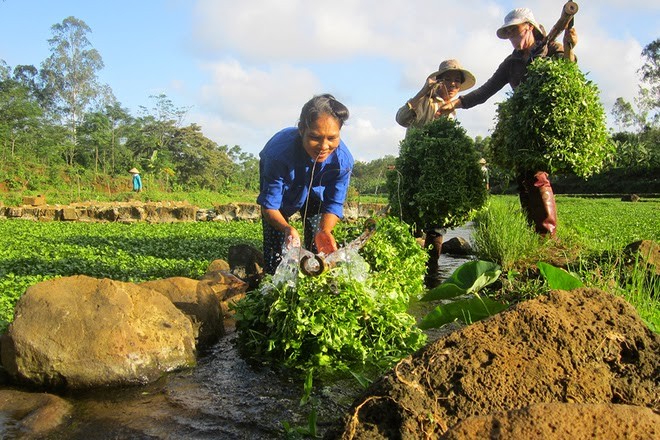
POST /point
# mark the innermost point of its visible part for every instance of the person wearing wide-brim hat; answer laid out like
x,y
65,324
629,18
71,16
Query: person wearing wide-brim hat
x,y
528,40
137,180
440,87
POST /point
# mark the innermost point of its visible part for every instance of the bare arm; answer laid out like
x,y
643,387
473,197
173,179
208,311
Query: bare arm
x,y
275,218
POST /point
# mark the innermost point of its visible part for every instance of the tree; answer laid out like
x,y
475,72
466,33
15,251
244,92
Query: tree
x,y
371,177
640,148
624,114
158,127
198,160
649,90
101,138
20,114
71,73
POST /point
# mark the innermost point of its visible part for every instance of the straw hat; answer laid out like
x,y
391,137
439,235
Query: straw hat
x,y
519,16
134,171
455,66
482,161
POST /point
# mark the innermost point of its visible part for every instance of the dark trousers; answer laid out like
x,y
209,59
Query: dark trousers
x,y
273,240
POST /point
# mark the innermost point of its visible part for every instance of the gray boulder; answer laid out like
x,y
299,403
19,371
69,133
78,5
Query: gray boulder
x,y
457,246
81,332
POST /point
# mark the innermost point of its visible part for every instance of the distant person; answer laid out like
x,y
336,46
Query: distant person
x,y
528,40
137,180
485,172
305,169
439,88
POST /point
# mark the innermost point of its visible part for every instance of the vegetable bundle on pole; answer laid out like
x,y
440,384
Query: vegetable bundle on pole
x,y
554,121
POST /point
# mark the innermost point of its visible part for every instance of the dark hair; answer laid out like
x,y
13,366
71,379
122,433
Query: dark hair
x,y
319,105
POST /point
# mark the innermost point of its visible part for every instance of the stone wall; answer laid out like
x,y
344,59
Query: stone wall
x,y
159,212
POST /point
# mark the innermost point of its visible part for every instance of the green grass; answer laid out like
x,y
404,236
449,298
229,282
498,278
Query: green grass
x,y
203,198
608,224
591,237
33,251
596,230
502,234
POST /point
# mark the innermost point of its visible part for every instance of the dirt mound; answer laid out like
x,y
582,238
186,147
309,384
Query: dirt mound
x,y
584,346
547,421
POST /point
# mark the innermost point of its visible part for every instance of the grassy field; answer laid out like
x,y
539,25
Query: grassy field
x,y
591,237
33,251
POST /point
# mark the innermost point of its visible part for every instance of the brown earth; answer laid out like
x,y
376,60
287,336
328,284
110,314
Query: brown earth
x,y
583,347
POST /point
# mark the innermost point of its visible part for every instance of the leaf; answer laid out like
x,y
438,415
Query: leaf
x,y
466,310
558,279
470,277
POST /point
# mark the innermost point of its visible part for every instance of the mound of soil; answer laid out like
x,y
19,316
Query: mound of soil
x,y
580,347
548,421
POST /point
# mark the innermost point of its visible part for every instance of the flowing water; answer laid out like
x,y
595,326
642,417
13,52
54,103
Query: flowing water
x,y
223,397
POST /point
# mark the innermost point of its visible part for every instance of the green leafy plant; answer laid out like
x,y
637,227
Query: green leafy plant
x,y
468,278
462,288
437,180
558,278
340,322
554,121
467,310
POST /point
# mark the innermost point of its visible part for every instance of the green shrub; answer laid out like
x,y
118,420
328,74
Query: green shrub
x,y
554,121
437,180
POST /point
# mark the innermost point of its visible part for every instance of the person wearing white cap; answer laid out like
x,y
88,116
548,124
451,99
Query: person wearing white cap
x,y
527,38
440,87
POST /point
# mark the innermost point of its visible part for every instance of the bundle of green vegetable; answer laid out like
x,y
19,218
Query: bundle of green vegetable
x,y
348,318
554,122
438,180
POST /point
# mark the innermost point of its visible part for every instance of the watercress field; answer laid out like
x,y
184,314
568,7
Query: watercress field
x,y
33,251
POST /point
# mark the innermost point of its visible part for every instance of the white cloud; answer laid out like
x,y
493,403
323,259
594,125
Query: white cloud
x,y
368,141
257,96
264,59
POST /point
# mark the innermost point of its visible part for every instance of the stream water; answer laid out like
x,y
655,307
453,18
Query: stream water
x,y
223,397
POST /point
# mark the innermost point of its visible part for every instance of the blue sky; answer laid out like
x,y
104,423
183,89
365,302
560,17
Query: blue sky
x,y
245,68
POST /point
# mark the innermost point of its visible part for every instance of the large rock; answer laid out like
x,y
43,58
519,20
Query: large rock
x,y
200,305
80,332
227,287
583,346
31,415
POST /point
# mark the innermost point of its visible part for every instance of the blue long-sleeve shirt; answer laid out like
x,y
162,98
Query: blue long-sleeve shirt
x,y
285,170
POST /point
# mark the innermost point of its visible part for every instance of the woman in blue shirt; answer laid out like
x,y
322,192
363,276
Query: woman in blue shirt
x,y
305,169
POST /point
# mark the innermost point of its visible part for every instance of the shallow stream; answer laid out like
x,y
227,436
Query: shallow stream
x,y
224,397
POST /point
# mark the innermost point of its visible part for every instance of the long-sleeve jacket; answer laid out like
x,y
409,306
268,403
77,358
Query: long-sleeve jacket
x,y
409,116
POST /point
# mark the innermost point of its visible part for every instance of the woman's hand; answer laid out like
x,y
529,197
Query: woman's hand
x,y
292,239
325,242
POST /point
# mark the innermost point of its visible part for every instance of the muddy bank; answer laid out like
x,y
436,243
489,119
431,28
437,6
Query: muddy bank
x,y
580,347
